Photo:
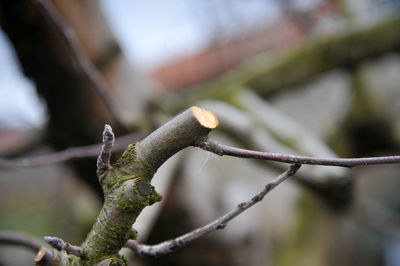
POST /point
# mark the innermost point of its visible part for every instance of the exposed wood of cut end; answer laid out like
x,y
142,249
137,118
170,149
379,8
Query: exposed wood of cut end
x,y
40,254
40,257
206,118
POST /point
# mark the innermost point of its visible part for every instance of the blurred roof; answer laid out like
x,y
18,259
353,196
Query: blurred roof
x,y
219,58
288,31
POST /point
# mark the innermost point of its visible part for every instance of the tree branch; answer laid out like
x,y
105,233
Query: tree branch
x,y
67,155
19,239
221,150
45,256
126,186
51,257
173,244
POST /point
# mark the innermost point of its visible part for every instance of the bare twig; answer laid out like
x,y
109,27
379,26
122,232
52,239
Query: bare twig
x,y
60,245
68,154
173,244
19,239
103,161
78,59
221,150
44,256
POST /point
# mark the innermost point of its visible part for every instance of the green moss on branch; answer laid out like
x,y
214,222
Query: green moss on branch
x,y
126,185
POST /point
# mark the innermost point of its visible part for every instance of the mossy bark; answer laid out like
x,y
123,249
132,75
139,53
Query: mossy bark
x,y
127,189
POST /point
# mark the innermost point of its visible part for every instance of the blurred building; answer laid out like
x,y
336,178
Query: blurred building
x,y
219,58
289,31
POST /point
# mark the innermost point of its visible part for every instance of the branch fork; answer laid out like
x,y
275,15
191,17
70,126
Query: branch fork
x,y
127,189
220,223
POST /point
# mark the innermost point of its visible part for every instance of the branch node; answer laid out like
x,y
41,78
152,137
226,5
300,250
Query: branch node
x,y
212,146
241,205
268,187
294,168
259,197
221,226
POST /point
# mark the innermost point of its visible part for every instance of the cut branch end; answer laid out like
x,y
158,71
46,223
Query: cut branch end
x,y
40,255
45,257
206,118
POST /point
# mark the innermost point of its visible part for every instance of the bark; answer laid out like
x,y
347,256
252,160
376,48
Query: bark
x,y
127,188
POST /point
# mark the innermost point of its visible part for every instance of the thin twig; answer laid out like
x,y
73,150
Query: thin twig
x,y
68,154
19,239
103,161
77,57
44,256
221,150
60,245
173,244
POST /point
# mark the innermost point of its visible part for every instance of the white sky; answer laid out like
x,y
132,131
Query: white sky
x,y
152,32
19,104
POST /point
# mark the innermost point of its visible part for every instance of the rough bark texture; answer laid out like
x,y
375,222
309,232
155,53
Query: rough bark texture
x,y
127,188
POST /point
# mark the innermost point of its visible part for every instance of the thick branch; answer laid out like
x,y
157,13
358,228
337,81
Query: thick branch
x,y
221,150
126,185
220,223
188,129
